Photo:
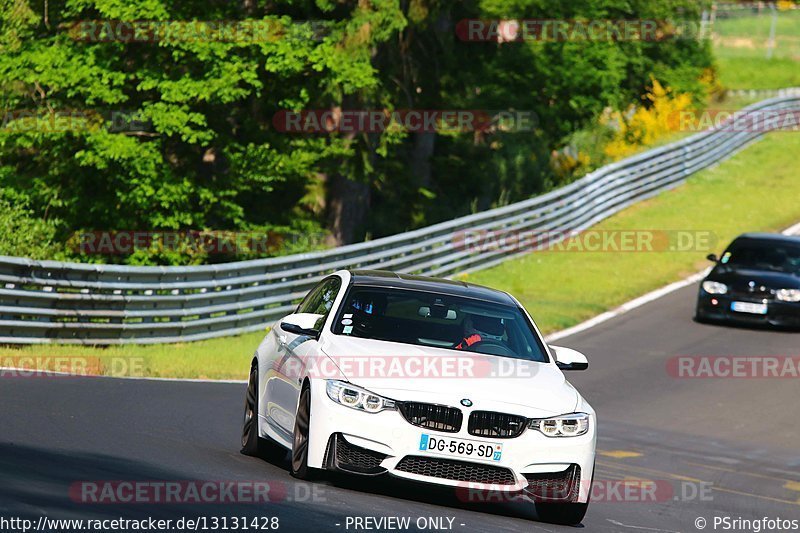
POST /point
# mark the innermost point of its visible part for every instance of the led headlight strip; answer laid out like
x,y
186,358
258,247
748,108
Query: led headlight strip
x,y
572,425
357,398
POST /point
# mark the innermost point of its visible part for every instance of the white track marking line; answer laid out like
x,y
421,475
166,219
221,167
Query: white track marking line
x,y
794,230
640,527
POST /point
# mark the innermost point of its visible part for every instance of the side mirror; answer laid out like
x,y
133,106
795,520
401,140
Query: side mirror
x,y
569,359
713,258
303,324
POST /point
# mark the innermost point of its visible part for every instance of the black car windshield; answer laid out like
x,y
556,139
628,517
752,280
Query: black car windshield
x,y
438,320
773,256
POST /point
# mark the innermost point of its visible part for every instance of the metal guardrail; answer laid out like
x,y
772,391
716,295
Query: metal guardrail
x,y
57,302
751,6
764,93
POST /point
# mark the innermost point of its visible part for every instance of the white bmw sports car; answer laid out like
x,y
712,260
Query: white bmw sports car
x,y
426,379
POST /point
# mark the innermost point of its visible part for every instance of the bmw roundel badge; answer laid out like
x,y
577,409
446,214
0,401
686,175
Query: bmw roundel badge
x,y
466,402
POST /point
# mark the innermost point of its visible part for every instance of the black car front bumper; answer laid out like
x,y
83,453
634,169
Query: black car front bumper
x,y
781,314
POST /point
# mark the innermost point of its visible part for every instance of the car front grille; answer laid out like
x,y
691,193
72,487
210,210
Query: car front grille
x,y
556,486
496,425
747,294
456,470
432,416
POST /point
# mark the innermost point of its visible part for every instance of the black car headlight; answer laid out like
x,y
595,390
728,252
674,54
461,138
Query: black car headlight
x,y
715,287
572,425
788,295
349,395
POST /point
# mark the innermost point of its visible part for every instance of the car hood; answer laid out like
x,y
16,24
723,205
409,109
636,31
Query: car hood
x,y
491,383
740,277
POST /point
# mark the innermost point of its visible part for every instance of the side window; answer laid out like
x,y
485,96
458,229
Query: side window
x,y
305,305
320,299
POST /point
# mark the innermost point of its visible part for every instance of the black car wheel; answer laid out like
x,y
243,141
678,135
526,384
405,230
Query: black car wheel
x,y
252,443
568,514
250,424
302,424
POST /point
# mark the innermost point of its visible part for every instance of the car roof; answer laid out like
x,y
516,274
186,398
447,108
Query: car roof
x,y
385,278
769,237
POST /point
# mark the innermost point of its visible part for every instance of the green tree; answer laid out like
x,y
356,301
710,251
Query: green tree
x,y
192,142
196,149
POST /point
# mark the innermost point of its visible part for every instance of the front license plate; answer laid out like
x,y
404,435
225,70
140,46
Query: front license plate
x,y
468,449
749,307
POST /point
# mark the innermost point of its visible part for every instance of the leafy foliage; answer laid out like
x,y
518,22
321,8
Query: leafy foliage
x,y
25,235
187,139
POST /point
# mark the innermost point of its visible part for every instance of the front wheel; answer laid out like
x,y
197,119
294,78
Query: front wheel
x,y
302,425
698,317
569,514
250,439
252,443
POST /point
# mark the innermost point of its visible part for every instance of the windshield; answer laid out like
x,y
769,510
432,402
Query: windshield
x,y
438,320
778,257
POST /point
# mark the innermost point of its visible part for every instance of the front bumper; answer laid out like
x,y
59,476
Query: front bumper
x,y
347,440
718,307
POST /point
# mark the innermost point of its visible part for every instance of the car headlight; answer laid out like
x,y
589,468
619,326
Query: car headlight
x,y
572,425
788,295
349,395
715,287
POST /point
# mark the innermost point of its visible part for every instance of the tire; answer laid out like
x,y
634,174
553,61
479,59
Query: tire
x,y
568,514
302,424
252,443
698,317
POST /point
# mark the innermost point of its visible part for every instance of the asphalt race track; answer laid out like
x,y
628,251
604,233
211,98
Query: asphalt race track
x,y
712,447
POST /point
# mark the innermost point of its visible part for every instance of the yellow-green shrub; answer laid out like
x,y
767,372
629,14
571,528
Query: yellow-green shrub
x,y
644,125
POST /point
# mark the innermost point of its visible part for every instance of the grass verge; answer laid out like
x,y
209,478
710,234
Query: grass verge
x,y
755,190
741,44
225,358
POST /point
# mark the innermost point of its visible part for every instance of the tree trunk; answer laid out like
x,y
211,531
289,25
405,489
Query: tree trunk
x,y
348,204
421,153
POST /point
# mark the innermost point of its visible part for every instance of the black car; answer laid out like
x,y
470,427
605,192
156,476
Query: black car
x,y
756,281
